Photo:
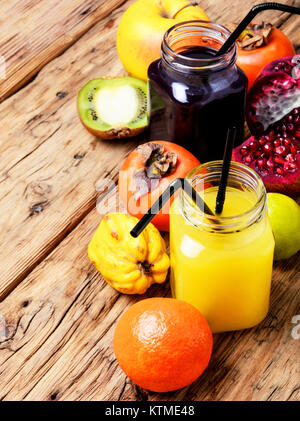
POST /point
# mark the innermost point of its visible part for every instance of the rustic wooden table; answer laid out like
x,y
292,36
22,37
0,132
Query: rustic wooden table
x,y
57,315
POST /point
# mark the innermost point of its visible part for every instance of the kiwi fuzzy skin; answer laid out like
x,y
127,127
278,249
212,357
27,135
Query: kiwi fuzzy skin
x,y
112,134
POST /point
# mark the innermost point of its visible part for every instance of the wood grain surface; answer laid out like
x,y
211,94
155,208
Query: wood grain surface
x,y
58,312
34,32
49,163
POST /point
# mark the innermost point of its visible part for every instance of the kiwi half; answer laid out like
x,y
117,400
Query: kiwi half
x,y
113,108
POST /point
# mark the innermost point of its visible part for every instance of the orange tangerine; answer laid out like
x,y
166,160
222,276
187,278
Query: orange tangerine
x,y
162,344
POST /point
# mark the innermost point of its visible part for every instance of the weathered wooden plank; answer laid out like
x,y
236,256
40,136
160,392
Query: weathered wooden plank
x,y
49,163
291,28
60,322
233,11
33,33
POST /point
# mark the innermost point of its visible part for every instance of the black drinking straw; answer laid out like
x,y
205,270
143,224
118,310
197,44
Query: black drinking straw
x,y
170,190
231,134
248,18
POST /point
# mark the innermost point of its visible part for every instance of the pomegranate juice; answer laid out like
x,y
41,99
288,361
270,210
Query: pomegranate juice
x,y
198,97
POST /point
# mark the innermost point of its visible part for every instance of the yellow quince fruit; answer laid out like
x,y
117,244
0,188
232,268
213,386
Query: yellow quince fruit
x,y
130,265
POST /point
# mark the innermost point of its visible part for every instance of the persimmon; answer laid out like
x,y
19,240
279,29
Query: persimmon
x,y
258,45
147,172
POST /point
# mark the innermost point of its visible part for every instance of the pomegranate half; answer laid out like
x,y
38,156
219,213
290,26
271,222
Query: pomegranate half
x,y
273,117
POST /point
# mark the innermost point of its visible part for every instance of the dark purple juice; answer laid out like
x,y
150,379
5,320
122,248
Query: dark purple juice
x,y
198,104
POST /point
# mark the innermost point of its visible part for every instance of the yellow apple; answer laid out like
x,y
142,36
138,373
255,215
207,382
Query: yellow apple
x,y
143,26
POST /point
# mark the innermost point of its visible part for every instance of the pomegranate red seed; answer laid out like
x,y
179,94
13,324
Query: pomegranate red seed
x,y
253,146
280,171
270,163
257,153
278,160
281,150
277,143
248,158
262,141
289,158
293,165
290,127
267,148
244,150
286,142
293,149
260,162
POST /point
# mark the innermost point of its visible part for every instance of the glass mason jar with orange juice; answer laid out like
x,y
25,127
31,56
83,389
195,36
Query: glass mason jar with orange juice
x,y
223,264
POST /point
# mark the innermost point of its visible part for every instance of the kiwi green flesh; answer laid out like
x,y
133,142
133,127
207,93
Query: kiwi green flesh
x,y
109,105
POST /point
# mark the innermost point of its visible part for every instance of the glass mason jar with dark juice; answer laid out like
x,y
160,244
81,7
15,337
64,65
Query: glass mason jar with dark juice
x,y
198,94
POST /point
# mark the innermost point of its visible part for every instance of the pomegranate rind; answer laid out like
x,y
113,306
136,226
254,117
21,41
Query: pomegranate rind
x,y
273,117
274,94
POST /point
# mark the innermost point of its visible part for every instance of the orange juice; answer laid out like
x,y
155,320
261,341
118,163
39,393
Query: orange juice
x,y
223,266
